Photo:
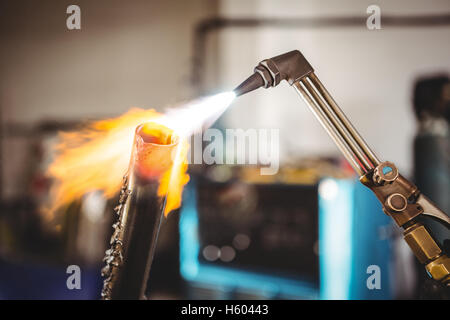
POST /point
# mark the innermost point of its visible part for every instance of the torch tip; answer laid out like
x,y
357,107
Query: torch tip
x,y
253,82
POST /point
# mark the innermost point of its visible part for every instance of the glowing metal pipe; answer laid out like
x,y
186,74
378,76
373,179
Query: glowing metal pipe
x,y
140,211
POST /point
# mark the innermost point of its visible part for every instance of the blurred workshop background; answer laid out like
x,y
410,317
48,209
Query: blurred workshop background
x,y
309,232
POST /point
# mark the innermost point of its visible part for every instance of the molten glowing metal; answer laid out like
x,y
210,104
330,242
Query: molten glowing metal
x,y
166,163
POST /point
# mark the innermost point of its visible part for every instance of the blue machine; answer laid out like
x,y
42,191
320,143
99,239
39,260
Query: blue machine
x,y
352,244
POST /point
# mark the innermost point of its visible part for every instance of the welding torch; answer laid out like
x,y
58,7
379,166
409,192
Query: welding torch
x,y
400,198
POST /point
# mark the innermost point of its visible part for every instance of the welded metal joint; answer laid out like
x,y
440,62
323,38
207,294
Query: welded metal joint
x,y
114,255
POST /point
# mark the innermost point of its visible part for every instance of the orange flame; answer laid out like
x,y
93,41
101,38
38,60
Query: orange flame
x,y
97,156
175,179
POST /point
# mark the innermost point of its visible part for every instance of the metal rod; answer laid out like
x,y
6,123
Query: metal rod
x,y
335,121
362,144
329,128
140,212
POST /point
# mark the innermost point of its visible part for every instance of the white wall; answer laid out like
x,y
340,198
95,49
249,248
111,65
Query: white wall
x,y
369,73
133,53
127,54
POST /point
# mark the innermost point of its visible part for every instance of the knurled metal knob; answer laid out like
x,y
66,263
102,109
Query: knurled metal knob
x,y
396,202
385,173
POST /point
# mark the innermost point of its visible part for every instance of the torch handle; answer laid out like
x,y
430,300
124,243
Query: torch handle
x,y
400,198
337,125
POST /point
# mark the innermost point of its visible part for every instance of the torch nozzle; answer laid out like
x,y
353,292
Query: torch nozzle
x,y
253,82
291,66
